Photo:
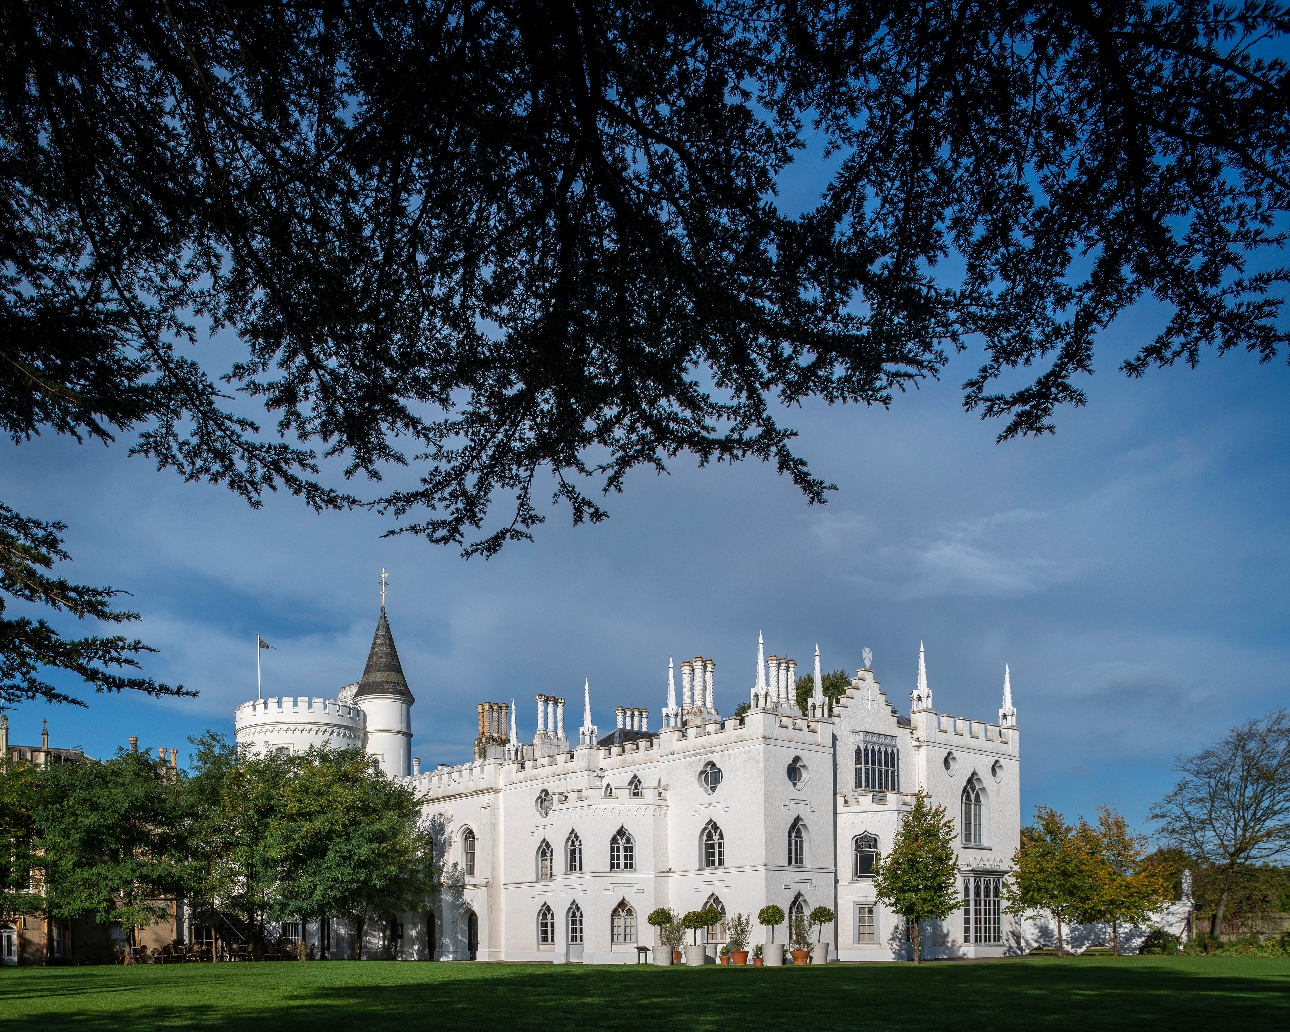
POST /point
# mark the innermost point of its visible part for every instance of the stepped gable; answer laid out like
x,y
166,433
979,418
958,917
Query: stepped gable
x,y
383,674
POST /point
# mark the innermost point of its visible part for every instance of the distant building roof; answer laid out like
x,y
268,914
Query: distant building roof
x,y
619,735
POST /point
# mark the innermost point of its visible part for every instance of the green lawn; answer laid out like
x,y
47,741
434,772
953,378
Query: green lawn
x,y
1035,993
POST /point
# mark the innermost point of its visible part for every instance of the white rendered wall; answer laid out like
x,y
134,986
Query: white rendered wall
x,y
389,732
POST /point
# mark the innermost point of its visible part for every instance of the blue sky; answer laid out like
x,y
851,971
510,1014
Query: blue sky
x,y
1131,569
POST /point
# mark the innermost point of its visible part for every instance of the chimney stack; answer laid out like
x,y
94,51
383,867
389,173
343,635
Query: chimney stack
x,y
416,766
134,743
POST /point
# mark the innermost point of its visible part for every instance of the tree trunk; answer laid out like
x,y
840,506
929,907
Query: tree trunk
x,y
916,939
1115,937
1060,948
359,923
1216,928
214,943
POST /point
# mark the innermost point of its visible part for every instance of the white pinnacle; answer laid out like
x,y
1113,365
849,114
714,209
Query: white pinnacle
x,y
761,665
819,680
922,693
586,703
1007,687
514,736
671,685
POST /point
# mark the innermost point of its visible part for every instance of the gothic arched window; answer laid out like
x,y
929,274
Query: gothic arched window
x,y
797,843
573,853
973,811
622,851
878,764
634,787
797,911
864,851
716,932
609,791
573,918
545,861
468,852
713,846
622,923
546,926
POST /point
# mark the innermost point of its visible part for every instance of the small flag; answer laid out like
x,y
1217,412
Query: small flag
x,y
263,644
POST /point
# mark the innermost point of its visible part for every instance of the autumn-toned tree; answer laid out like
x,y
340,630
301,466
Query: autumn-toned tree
x,y
1232,805
918,878
1127,885
1054,871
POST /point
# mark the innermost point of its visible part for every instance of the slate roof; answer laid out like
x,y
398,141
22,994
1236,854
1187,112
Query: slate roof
x,y
383,674
619,735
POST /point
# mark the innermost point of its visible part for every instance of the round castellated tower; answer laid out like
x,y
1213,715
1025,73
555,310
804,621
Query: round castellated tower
x,y
384,697
296,724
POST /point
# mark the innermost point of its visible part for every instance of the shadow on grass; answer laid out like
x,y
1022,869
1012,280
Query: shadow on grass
x,y
1130,993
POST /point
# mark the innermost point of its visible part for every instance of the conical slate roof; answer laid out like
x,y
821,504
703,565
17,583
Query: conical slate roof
x,y
383,674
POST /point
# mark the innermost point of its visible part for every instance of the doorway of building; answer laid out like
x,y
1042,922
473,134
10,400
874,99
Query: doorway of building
x,y
472,935
8,946
432,938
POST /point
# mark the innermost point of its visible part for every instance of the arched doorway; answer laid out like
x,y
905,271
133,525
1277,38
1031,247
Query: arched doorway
x,y
472,935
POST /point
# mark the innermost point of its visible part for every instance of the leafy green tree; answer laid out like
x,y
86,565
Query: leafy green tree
x,y
110,839
1055,871
21,888
347,840
835,685
918,878
548,242
1127,884
1232,805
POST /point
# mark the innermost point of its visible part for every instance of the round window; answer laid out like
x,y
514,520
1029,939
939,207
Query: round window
x,y
710,777
797,772
544,803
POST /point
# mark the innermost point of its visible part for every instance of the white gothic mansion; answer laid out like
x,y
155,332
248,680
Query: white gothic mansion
x,y
557,849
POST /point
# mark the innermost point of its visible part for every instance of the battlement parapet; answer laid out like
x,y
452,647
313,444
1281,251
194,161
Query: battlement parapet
x,y
980,734
301,710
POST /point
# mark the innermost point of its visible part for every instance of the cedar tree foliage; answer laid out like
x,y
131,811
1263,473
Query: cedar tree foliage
x,y
521,248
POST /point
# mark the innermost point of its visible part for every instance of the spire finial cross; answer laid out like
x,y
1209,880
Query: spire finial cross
x,y
384,577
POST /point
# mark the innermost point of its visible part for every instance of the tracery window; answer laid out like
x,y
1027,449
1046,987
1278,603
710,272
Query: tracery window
x,y
622,851
468,852
546,926
716,932
622,924
797,772
710,777
798,909
713,845
865,853
609,791
573,853
634,788
574,919
877,764
973,806
797,843
982,911
543,803
545,861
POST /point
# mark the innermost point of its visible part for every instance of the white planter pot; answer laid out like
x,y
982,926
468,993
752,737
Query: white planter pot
x,y
695,956
772,955
663,956
820,953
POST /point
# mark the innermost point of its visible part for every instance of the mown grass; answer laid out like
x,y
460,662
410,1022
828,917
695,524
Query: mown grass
x,y
1032,993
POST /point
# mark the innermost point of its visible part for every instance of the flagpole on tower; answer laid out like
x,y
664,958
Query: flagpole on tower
x,y
260,643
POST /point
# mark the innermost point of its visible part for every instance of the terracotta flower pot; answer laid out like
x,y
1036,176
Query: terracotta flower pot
x,y
756,961
724,959
739,957
800,957
676,956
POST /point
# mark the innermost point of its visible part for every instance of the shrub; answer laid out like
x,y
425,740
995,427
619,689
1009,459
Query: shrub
x,y
1159,942
757,950
661,917
799,933
695,920
821,916
739,930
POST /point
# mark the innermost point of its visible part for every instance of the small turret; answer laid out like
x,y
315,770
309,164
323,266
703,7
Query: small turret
x,y
383,694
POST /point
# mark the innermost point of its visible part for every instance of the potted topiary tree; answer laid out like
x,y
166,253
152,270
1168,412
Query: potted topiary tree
x,y
771,916
820,917
739,929
799,940
757,958
694,953
674,937
660,920
723,955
